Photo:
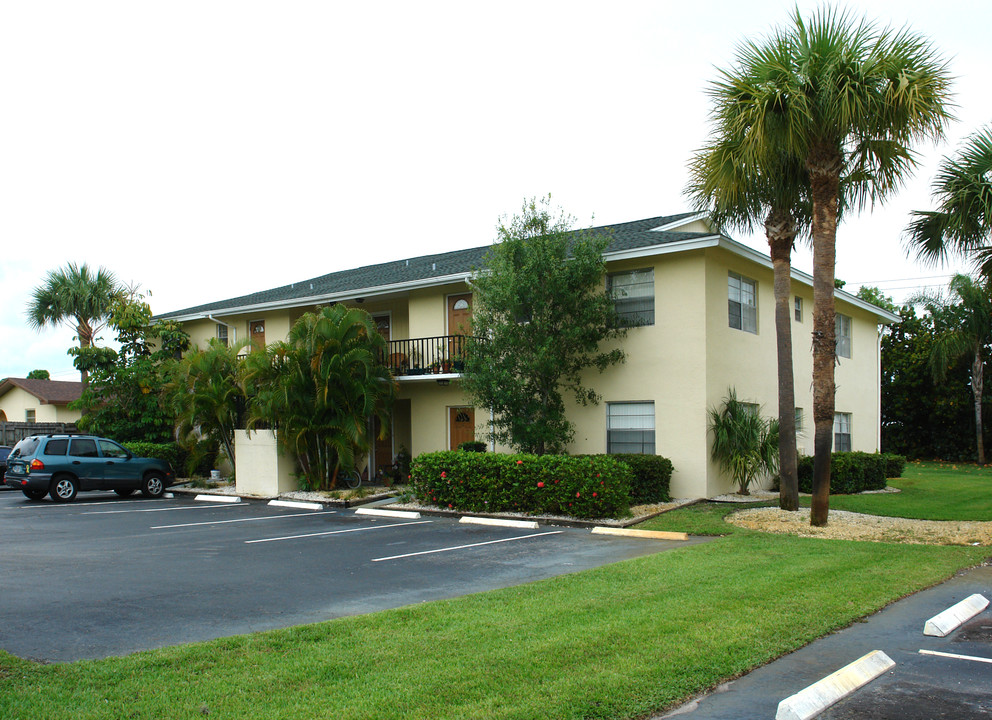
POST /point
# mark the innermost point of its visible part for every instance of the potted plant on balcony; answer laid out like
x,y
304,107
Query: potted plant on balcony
x,y
415,367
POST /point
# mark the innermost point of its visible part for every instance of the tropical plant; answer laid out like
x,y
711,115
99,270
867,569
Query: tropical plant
x,y
850,100
207,397
77,296
739,193
321,388
970,338
745,444
539,317
962,224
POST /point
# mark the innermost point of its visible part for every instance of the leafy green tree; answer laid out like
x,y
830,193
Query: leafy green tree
x,y
77,296
969,338
321,388
539,318
39,375
744,443
207,397
741,191
962,223
850,100
877,298
124,399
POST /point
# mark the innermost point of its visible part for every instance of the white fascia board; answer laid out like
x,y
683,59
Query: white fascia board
x,y
320,299
679,223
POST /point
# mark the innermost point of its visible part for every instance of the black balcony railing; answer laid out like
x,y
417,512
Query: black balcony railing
x,y
427,356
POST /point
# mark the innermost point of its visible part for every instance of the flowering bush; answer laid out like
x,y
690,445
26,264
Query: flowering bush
x,y
585,487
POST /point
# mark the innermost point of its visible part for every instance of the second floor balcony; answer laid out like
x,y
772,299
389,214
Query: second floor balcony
x,y
439,355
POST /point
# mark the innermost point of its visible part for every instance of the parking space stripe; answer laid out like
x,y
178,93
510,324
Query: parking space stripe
x,y
238,520
337,532
954,656
464,547
165,509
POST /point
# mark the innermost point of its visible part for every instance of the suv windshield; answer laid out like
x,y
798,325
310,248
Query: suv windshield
x,y
27,446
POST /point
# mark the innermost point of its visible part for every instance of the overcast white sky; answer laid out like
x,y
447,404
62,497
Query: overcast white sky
x,y
210,149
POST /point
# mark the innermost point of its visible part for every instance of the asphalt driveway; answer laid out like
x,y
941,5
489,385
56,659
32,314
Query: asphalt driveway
x,y
104,576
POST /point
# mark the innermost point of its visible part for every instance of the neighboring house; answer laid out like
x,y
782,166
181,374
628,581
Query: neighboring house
x,y
702,310
41,401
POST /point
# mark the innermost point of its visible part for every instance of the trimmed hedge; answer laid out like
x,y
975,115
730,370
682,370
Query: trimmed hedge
x,y
652,477
584,487
169,452
853,472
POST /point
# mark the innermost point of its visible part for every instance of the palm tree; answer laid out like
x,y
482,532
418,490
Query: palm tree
x,y
970,337
75,295
740,195
963,221
850,100
320,389
744,443
207,396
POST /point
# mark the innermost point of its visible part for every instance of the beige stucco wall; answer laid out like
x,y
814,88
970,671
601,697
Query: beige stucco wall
x,y
16,401
260,467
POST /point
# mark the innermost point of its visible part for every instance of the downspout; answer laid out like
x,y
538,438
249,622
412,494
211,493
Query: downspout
x,y
228,326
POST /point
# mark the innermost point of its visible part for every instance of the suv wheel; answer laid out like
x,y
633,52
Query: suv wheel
x,y
64,488
34,494
154,485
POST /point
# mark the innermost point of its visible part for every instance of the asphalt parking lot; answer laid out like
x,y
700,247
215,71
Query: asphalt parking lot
x,y
104,576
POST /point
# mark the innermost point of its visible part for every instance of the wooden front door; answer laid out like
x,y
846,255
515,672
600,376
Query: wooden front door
x,y
382,454
461,421
382,325
459,323
256,334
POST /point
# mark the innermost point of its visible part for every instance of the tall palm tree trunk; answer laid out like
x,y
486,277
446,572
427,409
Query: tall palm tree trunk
x,y
824,167
780,229
977,388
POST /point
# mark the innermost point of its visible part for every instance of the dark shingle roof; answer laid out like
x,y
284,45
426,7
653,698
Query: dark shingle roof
x,y
625,236
50,392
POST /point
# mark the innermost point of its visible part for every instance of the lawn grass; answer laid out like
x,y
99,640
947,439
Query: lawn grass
x,y
928,491
619,641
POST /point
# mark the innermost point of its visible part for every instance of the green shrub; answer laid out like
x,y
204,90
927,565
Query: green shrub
x,y
472,446
852,472
651,477
584,487
169,452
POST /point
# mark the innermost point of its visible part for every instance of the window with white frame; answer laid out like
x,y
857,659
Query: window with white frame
x,y
29,415
842,432
222,334
799,421
633,296
742,294
630,428
842,331
798,309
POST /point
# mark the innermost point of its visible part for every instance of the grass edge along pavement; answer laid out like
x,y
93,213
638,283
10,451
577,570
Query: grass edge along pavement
x,y
619,641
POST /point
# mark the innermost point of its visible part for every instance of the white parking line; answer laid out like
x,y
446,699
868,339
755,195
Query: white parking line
x,y
165,509
46,505
251,519
336,532
973,658
463,547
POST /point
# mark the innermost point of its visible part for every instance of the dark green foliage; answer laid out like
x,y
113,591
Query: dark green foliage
x,y
169,452
853,472
921,417
583,487
472,446
401,465
39,375
651,478
540,314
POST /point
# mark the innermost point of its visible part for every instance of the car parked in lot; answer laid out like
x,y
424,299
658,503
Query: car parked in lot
x,y
63,465
4,452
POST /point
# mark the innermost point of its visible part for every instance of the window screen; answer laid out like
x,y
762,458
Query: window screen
x,y
633,296
742,294
630,428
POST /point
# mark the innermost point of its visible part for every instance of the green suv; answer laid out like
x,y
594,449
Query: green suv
x,y
62,465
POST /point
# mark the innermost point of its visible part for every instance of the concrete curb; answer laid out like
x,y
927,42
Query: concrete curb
x,y
296,504
649,534
219,498
816,698
955,616
388,513
524,524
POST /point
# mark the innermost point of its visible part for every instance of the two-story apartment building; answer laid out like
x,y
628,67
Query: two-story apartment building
x,y
703,314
